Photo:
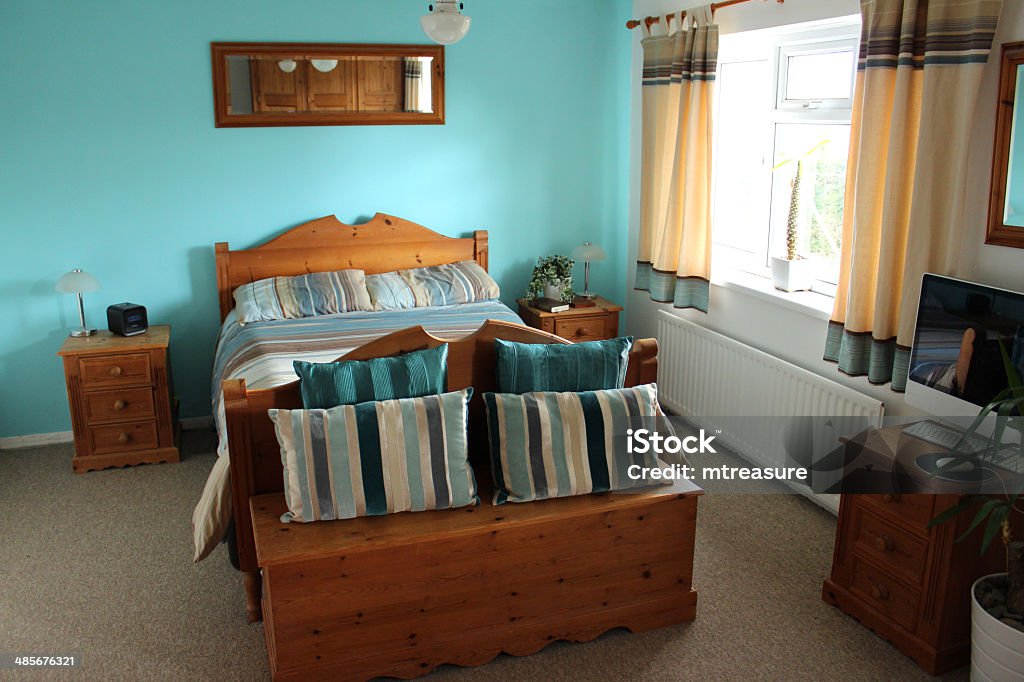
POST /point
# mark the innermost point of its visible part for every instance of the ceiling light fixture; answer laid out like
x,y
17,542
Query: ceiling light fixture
x,y
324,65
445,24
286,65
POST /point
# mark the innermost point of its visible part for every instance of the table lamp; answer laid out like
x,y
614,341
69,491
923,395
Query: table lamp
x,y
79,282
587,252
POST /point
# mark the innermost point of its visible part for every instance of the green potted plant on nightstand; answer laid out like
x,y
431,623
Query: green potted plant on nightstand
x,y
552,278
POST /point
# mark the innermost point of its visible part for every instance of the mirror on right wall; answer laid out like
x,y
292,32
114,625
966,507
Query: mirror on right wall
x,y
1006,199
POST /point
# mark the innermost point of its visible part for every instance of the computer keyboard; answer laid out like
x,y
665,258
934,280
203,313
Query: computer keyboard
x,y
949,437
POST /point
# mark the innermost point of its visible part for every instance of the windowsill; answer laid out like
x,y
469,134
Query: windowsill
x,y
810,303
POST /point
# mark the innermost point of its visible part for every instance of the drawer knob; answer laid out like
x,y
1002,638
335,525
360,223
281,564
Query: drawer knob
x,y
116,371
879,592
119,404
123,437
891,497
884,543
581,331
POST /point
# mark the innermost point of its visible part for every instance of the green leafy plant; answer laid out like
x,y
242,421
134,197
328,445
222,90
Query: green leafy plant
x,y
994,512
555,270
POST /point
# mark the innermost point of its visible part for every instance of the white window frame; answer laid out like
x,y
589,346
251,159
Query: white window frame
x,y
776,46
802,49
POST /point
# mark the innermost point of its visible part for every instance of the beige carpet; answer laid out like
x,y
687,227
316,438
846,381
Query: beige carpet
x,y
100,565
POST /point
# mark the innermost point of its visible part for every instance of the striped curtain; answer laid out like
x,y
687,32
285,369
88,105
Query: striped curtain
x,y
413,83
674,250
918,75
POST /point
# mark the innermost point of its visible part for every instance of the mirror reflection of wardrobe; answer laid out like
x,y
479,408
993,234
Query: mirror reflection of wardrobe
x,y
296,84
352,84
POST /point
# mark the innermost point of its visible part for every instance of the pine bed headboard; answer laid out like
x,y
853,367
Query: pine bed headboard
x,y
382,244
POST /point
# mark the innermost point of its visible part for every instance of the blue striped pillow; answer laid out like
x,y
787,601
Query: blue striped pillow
x,y
449,284
390,291
546,445
347,382
376,458
309,295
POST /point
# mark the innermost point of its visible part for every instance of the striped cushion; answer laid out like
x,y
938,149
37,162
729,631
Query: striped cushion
x,y
347,382
560,444
390,291
376,458
316,293
462,282
586,366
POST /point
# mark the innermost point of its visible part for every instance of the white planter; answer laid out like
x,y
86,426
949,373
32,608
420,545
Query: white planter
x,y
997,650
553,290
792,275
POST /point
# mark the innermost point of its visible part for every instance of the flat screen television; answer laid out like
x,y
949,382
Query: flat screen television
x,y
956,366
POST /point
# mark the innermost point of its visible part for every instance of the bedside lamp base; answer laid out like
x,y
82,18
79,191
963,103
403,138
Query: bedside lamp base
x,y
82,329
587,294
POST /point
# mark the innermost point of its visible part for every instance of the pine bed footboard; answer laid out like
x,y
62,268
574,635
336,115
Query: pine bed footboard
x,y
398,596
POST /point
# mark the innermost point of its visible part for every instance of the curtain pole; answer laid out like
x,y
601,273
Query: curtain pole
x,y
633,23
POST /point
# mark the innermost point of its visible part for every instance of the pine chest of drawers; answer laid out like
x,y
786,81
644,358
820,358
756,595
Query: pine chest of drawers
x,y
908,582
119,392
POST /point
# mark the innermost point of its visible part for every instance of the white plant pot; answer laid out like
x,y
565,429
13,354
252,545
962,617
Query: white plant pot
x,y
997,650
553,290
792,275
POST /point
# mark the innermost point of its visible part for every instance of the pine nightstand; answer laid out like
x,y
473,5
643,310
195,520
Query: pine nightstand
x,y
119,390
576,324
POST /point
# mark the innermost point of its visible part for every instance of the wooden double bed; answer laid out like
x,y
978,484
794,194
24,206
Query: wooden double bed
x,y
399,595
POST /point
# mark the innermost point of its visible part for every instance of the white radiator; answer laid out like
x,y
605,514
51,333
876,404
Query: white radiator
x,y
720,384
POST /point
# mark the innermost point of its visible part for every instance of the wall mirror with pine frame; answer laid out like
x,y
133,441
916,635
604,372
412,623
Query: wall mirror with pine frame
x,y
323,84
1006,199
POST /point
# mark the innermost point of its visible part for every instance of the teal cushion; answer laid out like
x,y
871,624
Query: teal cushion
x,y
587,366
547,445
347,382
376,458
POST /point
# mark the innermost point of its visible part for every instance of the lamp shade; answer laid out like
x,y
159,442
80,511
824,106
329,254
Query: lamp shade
x,y
445,24
588,253
77,282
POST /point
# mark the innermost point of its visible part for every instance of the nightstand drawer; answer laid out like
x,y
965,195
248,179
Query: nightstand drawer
x,y
581,329
886,594
892,547
124,437
914,510
114,370
125,404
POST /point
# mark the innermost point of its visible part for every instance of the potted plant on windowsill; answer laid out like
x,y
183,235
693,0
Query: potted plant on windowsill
x,y
794,272
997,600
552,278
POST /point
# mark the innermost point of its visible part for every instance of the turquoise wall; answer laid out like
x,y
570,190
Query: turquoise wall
x,y
109,160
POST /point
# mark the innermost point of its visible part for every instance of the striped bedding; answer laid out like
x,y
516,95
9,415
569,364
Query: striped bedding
x,y
262,354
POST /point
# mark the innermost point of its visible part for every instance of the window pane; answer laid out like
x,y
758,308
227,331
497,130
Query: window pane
x,y
822,150
825,75
741,181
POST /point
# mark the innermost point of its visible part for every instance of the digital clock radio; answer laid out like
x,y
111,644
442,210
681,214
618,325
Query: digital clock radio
x,y
127,319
